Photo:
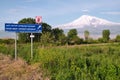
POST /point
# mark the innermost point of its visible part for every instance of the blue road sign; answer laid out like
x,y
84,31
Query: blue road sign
x,y
23,28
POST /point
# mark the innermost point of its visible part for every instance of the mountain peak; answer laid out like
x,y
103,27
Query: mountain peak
x,y
86,16
85,19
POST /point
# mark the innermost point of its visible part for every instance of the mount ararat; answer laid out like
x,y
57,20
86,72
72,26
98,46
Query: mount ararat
x,y
93,24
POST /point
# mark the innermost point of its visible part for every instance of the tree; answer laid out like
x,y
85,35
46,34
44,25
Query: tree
x,y
117,38
27,21
46,28
57,32
77,40
62,39
86,35
72,33
106,34
72,37
46,38
59,36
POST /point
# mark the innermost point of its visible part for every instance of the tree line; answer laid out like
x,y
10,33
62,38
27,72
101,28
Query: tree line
x,y
56,36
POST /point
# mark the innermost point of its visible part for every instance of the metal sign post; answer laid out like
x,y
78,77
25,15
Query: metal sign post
x,y
15,46
31,36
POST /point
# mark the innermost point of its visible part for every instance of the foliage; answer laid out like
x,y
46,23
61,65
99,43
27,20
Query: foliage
x,y
117,38
92,62
72,33
62,39
7,41
46,38
100,39
59,36
24,37
73,38
86,35
7,49
81,63
27,21
57,32
46,28
106,34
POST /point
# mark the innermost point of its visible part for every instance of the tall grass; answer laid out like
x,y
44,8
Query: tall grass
x,y
94,62
81,63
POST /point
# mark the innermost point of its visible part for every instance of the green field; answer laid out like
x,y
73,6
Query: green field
x,y
81,62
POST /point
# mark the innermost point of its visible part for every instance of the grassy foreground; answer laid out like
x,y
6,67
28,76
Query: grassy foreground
x,y
89,62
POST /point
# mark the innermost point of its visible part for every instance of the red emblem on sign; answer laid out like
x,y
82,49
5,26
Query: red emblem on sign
x,y
38,19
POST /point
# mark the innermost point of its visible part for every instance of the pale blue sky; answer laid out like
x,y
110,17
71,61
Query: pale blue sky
x,y
55,12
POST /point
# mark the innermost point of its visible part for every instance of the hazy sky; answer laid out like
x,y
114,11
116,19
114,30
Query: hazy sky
x,y
55,12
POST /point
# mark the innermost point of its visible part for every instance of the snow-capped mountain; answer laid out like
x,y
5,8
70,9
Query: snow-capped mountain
x,y
86,20
93,24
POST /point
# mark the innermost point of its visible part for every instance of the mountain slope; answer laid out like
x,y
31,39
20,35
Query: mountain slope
x,y
86,20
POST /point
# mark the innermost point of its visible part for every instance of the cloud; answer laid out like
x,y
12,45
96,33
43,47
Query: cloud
x,y
30,0
85,10
111,13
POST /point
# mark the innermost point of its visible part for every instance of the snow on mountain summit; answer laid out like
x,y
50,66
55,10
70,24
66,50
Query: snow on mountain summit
x,y
86,20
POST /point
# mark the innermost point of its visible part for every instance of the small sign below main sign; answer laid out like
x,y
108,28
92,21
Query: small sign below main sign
x,y
32,36
23,28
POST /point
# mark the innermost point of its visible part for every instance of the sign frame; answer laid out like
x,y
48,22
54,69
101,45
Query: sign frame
x,y
23,28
